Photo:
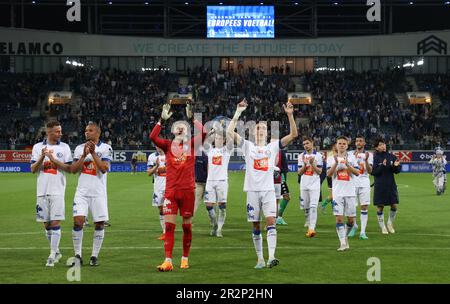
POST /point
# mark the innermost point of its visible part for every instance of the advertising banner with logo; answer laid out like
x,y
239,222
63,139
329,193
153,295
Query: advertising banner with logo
x,y
22,42
19,161
15,156
14,167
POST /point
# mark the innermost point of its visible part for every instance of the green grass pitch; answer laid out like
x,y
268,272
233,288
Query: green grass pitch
x,y
418,253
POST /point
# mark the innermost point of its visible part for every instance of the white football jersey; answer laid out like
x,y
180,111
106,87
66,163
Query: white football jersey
x,y
259,165
363,179
343,182
92,182
218,159
310,179
160,174
50,180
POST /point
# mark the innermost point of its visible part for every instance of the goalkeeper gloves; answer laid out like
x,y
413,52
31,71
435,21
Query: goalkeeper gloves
x,y
165,115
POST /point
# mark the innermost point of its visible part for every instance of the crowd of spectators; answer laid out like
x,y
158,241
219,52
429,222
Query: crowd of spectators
x,y
19,95
127,104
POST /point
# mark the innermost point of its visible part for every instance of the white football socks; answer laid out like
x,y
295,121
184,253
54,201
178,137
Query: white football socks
x,y
55,239
257,241
392,215
212,215
162,223
99,235
340,229
312,218
364,217
271,241
380,217
77,239
222,216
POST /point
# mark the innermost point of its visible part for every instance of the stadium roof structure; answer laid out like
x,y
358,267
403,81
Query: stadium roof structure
x,y
187,18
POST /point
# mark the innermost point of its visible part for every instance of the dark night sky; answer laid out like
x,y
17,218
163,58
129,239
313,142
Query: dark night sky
x,y
417,17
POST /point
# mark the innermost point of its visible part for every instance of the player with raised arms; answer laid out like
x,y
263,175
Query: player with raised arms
x,y
180,181
216,190
259,184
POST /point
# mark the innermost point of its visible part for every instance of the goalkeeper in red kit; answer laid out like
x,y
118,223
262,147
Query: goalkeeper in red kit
x,y
180,181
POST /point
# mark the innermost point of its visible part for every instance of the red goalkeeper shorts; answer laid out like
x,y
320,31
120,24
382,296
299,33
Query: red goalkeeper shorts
x,y
183,200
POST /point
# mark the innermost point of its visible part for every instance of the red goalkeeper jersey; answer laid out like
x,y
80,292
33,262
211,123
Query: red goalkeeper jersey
x,y
180,159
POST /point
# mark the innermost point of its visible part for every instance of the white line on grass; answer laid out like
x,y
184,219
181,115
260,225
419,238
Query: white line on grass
x,y
202,230
237,248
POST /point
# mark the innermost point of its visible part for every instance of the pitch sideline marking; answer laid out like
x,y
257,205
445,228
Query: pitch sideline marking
x,y
234,247
201,230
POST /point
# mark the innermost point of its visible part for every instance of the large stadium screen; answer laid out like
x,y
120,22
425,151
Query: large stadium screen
x,y
240,22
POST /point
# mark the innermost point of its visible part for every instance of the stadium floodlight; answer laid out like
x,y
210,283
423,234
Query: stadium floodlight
x,y
186,3
409,64
411,3
296,3
447,3
221,3
110,2
146,3
34,2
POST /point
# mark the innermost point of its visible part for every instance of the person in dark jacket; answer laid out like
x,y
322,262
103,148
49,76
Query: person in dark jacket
x,y
385,164
201,175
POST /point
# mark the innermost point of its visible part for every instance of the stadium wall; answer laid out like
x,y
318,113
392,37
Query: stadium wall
x,y
45,51
19,161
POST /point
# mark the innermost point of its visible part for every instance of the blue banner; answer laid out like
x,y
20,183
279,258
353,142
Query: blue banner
x,y
240,21
126,167
14,167
420,167
425,156
233,166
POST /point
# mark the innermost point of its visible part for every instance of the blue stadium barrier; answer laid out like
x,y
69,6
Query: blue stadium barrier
x,y
17,167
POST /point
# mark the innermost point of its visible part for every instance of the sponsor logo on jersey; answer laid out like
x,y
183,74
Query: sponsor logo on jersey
x,y
217,160
343,175
90,168
50,168
261,164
